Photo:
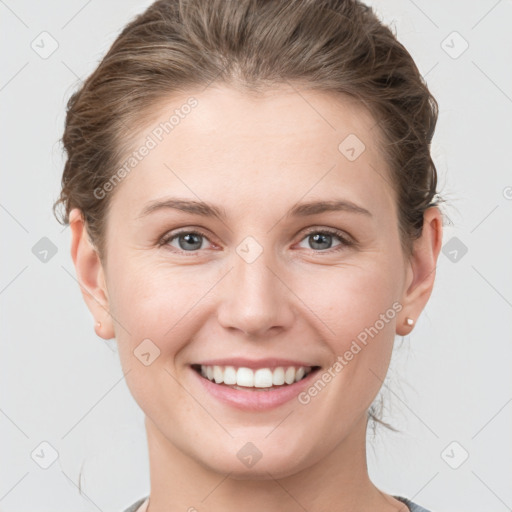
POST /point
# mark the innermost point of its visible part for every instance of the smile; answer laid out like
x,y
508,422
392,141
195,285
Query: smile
x,y
261,378
264,386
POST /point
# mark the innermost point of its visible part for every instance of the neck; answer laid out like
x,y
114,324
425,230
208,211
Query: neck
x,y
338,482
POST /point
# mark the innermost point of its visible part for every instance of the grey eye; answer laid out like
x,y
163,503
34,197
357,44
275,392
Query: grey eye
x,y
187,241
320,240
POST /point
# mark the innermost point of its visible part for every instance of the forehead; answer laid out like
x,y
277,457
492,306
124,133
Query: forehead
x,y
274,147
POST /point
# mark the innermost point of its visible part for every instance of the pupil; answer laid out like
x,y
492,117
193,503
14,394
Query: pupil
x,y
189,239
320,236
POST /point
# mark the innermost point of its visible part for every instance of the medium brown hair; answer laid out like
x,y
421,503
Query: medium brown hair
x,y
338,46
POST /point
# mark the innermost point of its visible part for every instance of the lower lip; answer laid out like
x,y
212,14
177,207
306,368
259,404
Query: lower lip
x,y
254,399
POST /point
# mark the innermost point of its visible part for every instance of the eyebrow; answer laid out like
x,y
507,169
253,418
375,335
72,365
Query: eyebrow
x,y
185,205
315,207
210,210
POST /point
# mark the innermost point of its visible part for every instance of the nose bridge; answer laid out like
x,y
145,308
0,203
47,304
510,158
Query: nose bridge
x,y
254,300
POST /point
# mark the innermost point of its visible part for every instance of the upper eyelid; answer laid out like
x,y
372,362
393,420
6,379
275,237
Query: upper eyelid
x,y
169,236
347,239
332,231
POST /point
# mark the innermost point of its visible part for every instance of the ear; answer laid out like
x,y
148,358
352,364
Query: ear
x,y
421,269
90,274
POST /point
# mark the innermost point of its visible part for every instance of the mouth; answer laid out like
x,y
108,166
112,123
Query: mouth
x,y
242,378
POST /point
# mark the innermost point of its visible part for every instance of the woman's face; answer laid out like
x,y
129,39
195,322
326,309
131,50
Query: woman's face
x,y
266,282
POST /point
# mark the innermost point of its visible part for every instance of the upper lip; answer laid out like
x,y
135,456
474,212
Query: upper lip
x,y
240,362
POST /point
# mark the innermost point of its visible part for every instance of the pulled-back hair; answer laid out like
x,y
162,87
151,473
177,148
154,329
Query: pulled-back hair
x,y
338,46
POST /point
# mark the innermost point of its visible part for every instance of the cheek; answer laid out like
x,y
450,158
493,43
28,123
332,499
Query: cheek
x,y
150,299
356,307
152,308
349,298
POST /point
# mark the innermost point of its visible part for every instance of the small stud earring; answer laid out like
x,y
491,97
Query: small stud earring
x,y
409,321
98,324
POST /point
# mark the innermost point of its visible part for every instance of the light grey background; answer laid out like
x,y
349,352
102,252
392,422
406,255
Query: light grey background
x,y
450,380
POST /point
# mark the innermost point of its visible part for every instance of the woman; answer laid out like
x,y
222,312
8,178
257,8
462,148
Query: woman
x,y
250,192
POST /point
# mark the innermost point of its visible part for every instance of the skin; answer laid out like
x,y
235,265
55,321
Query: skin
x,y
256,157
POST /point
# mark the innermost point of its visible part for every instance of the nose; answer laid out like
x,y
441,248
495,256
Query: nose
x,y
255,299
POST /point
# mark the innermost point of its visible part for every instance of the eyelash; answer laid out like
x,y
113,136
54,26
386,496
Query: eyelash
x,y
345,241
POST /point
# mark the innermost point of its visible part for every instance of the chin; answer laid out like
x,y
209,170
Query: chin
x,y
261,459
276,468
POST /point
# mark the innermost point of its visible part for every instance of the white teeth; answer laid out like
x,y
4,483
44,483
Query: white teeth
x,y
278,376
245,377
289,375
218,375
299,374
263,378
229,375
249,378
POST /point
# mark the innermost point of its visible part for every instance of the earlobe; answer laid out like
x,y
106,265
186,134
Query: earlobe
x,y
90,275
422,270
